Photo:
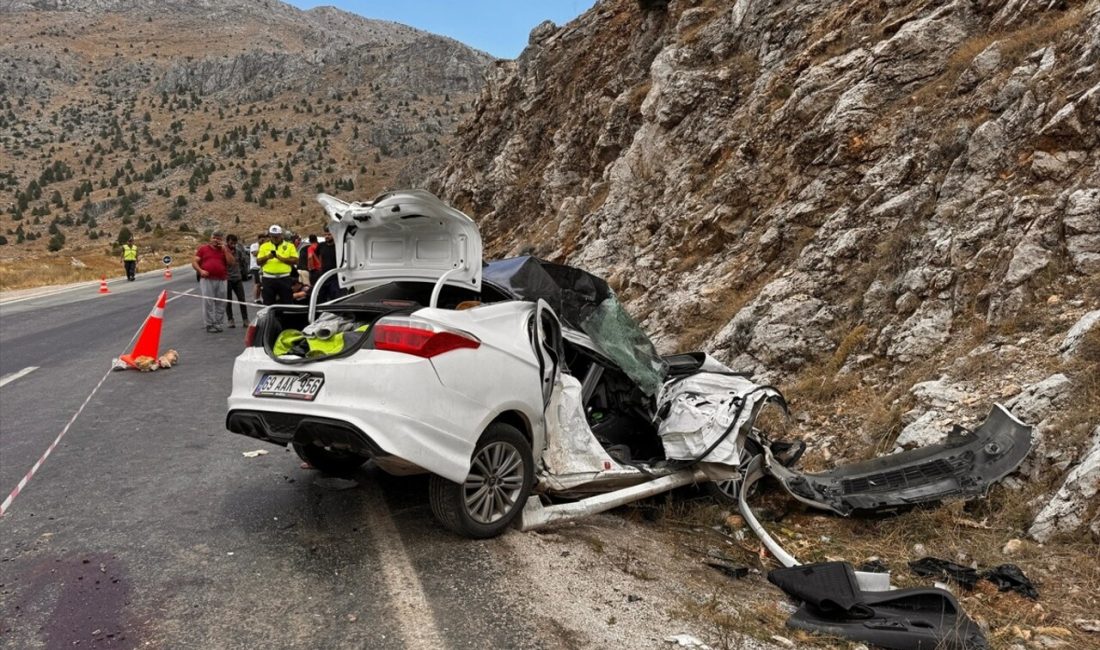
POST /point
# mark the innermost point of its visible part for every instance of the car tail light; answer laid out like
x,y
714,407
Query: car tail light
x,y
420,338
250,335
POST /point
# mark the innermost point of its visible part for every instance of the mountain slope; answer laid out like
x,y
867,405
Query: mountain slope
x,y
170,118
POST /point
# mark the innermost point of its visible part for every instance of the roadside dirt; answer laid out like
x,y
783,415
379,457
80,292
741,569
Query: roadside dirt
x,y
619,581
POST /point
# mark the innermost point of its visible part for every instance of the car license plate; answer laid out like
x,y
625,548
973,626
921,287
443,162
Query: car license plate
x,y
303,385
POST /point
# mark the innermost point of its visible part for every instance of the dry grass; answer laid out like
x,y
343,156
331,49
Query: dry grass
x,y
100,260
1015,44
1077,421
26,274
826,383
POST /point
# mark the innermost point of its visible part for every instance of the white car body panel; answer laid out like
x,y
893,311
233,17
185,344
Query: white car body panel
x,y
427,412
405,235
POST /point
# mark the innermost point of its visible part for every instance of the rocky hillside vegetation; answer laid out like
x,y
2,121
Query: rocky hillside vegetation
x,y
889,208
167,119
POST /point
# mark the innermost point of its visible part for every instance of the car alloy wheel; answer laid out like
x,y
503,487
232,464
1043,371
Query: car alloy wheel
x,y
495,482
727,492
502,472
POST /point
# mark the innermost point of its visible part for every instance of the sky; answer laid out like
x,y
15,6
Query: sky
x,y
499,27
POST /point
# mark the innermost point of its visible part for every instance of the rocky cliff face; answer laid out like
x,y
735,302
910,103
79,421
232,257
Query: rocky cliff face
x,y
873,202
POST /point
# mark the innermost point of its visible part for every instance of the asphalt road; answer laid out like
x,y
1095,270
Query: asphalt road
x,y
147,527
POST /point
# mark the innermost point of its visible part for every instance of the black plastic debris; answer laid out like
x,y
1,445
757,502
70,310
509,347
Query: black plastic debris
x,y
961,467
725,564
1011,577
930,567
830,587
875,566
1006,576
732,570
902,619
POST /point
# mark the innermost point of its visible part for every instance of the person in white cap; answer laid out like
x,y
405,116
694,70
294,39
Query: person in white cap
x,y
277,258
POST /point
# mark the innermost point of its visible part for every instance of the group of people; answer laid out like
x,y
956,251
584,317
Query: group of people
x,y
283,272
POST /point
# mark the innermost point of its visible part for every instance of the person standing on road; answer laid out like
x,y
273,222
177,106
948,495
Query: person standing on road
x,y
234,284
296,240
254,266
326,251
277,260
313,260
212,262
129,258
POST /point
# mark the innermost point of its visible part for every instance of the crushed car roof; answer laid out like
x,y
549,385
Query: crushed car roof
x,y
587,304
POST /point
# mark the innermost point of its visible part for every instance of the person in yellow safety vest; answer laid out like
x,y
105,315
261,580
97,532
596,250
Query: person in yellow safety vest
x,y
129,258
277,258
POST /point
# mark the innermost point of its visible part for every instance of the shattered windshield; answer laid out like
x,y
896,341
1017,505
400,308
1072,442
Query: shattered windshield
x,y
584,302
621,338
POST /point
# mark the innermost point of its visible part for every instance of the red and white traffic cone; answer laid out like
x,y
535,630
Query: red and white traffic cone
x,y
167,273
103,285
149,341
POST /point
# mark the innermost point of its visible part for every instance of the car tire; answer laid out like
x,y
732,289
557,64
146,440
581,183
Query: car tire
x,y
329,461
726,492
501,476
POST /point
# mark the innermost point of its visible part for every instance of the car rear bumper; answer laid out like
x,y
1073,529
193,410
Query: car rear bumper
x,y
374,403
285,428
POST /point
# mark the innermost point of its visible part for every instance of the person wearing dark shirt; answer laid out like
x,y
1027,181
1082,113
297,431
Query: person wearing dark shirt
x,y
234,285
326,251
211,263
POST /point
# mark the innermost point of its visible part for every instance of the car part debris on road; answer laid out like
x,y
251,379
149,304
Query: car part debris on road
x,y
1007,577
930,567
904,619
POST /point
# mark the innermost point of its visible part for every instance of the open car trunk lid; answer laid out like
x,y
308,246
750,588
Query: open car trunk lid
x,y
403,235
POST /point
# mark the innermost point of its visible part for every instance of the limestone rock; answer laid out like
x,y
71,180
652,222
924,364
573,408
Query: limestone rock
x,y
925,430
1028,258
1055,166
930,422
985,151
1039,401
1082,221
924,331
1068,509
1073,338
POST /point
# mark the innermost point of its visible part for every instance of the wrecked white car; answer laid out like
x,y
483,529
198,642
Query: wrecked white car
x,y
526,390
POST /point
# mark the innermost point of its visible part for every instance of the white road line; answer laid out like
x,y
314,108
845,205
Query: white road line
x,y
7,379
414,614
30,474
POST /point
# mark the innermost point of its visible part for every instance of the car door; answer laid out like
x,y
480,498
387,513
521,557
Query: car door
x,y
546,340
